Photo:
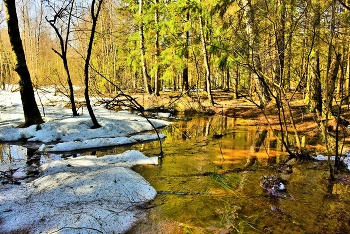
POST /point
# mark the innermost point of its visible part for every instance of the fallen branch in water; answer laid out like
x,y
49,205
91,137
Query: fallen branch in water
x,y
130,102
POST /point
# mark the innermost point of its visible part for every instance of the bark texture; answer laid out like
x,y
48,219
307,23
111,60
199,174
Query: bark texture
x,y
31,111
206,60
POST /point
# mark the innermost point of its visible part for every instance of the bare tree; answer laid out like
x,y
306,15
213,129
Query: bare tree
x,y
64,14
30,108
94,16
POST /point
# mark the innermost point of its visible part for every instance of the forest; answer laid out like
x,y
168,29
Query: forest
x,y
258,93
153,46
267,52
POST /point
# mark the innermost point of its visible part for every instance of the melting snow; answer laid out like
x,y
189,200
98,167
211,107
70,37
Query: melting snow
x,y
81,195
345,158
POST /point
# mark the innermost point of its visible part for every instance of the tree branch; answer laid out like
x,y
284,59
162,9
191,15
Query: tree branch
x,y
344,5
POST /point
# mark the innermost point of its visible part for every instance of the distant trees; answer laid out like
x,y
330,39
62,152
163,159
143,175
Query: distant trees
x,y
6,64
31,111
260,48
150,44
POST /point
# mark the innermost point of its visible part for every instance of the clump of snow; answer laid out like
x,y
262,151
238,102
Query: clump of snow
x,y
163,114
80,195
345,158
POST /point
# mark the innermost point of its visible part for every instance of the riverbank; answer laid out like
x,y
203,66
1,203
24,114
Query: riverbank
x,y
305,123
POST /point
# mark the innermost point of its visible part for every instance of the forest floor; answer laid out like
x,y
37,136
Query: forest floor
x,y
306,123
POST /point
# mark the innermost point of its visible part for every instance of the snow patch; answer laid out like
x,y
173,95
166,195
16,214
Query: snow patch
x,y
345,158
79,195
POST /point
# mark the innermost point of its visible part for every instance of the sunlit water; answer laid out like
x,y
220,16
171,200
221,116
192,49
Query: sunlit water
x,y
208,181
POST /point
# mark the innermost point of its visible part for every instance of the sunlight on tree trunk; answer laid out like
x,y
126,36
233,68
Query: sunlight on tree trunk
x,y
256,68
157,49
30,108
145,75
206,59
185,83
94,17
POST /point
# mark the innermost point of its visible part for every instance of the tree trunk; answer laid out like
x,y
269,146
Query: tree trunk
x,y
236,82
157,50
341,81
287,78
146,77
332,77
332,64
185,82
280,35
94,17
228,77
289,44
314,81
261,86
206,60
30,108
257,80
315,89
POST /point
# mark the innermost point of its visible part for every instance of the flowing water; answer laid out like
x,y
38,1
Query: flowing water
x,y
208,181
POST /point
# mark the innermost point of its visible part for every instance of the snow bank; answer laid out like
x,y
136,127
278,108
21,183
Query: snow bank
x,y
72,133
115,124
345,158
80,195
99,142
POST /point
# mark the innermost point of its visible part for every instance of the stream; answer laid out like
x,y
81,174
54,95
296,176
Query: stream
x,y
208,181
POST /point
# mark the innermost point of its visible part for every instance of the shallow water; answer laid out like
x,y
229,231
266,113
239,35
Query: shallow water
x,y
208,181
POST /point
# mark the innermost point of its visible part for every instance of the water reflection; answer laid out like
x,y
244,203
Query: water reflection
x,y
208,181
219,141
12,153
